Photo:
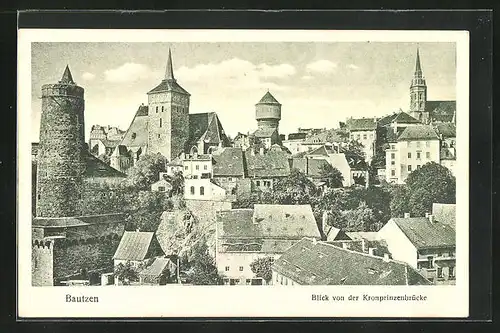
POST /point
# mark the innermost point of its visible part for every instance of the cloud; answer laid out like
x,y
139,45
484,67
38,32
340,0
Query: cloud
x,y
88,76
352,66
128,72
321,66
236,73
307,77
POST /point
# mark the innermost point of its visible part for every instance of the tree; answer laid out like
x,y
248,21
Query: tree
x,y
144,209
146,171
361,219
354,149
203,269
432,183
295,189
333,176
126,273
177,182
261,267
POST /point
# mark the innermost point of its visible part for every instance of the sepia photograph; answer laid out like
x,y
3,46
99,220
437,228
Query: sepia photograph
x,y
176,163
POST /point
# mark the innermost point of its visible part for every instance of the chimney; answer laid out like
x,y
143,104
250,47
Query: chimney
x,y
371,251
407,215
431,218
386,257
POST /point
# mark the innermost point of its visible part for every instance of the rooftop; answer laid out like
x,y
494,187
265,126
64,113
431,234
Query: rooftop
x,y
137,133
311,262
418,132
361,124
445,213
274,163
447,130
268,99
423,233
134,246
94,167
228,161
76,221
441,111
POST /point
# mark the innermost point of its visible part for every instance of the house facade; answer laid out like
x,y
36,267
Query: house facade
x,y
364,130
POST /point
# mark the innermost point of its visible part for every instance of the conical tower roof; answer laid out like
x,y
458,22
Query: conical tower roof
x,y
169,72
268,99
67,78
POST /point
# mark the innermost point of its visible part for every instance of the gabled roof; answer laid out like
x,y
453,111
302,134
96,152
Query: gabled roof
x,y
137,133
268,99
75,221
206,127
109,143
310,167
323,151
447,130
441,111
331,135
268,221
274,163
318,263
297,136
418,132
361,124
228,161
94,167
445,213
134,246
156,268
425,234
266,132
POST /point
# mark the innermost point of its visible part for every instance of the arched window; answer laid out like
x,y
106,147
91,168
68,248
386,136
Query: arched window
x,y
202,190
194,150
192,190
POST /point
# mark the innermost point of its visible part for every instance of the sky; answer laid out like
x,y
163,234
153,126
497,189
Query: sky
x,y
318,84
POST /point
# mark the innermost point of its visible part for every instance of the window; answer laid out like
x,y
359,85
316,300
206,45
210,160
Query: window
x,y
156,109
162,107
158,136
286,281
39,195
393,172
418,144
202,190
161,188
281,280
427,155
393,146
160,122
257,183
409,168
440,272
364,136
358,136
197,167
185,167
134,135
192,190
227,268
393,162
418,155
241,268
451,272
429,260
230,179
409,155
248,281
276,277
393,155
205,167
418,166
195,177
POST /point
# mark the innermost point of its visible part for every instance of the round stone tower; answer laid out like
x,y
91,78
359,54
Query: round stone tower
x,y
61,159
268,112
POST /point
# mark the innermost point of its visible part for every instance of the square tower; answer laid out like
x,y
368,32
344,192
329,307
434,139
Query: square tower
x,y
168,116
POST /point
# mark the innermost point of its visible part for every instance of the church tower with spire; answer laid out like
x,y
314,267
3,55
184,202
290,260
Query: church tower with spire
x,y
61,159
418,93
168,116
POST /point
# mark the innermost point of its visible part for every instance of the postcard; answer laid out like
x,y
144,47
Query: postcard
x,y
242,173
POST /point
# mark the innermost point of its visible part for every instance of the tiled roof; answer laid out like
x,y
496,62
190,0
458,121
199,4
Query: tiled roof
x,y
445,213
323,151
110,143
268,221
268,99
265,132
169,85
318,263
355,162
425,234
75,221
447,130
94,167
137,133
207,127
441,111
134,246
297,136
361,124
311,167
156,268
331,135
271,164
400,117
228,161
255,245
418,132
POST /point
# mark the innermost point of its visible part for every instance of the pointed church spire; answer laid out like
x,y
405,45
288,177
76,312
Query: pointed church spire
x,y
169,72
418,68
67,77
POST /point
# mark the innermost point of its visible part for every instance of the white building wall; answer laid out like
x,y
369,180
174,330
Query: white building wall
x,y
202,189
282,280
399,245
236,265
196,168
367,139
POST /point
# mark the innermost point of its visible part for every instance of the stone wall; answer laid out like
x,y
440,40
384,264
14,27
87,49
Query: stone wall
x,y
62,149
102,197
